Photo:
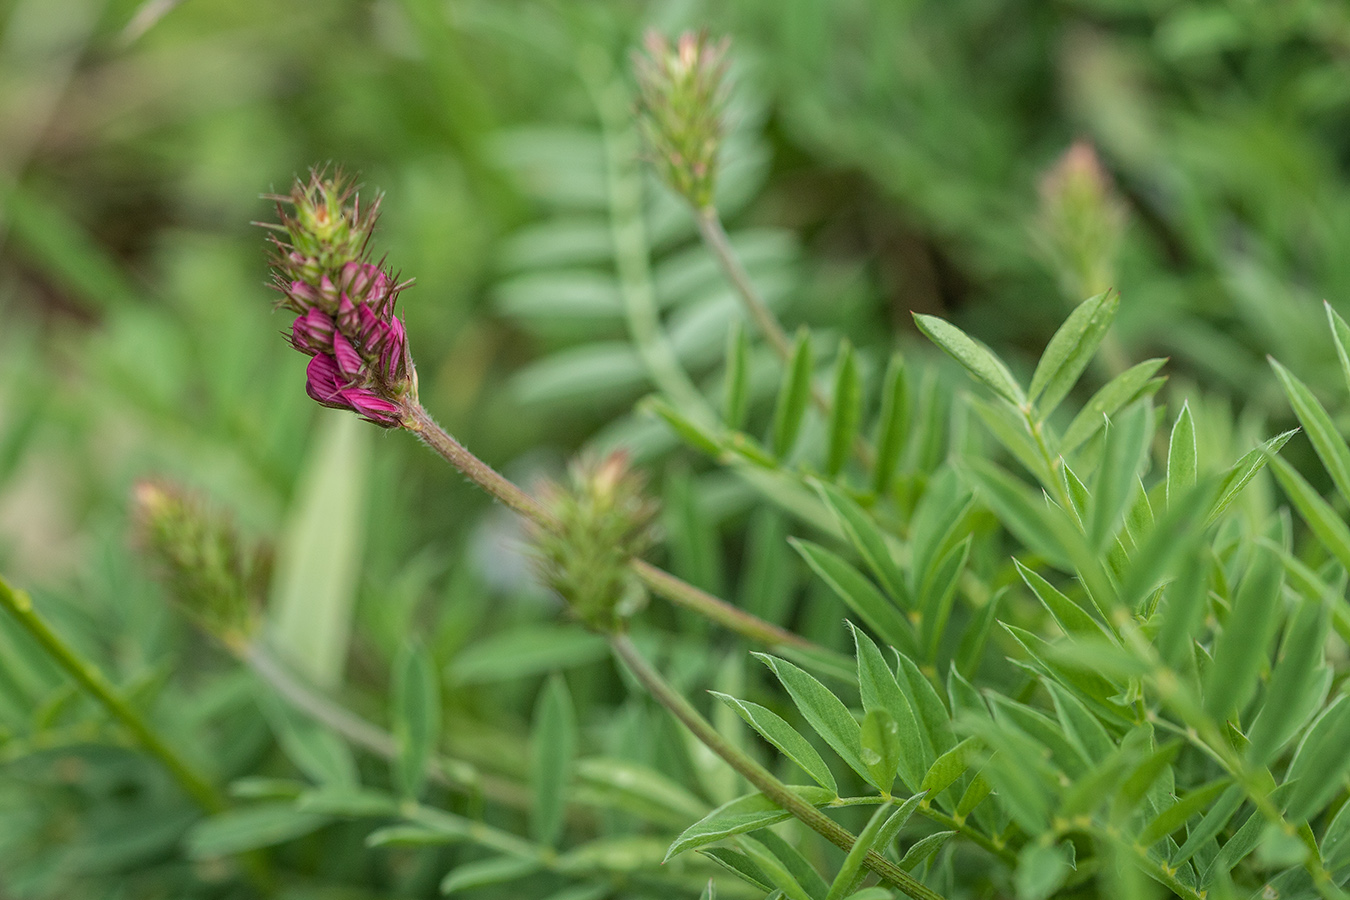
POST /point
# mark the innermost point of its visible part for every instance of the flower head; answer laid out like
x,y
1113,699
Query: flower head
x,y
603,519
344,304
1082,221
682,91
214,574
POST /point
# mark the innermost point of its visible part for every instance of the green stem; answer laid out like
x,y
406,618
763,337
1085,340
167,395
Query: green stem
x,y
660,582
92,679
756,774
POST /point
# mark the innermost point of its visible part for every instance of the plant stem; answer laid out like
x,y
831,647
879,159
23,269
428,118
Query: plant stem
x,y
92,679
660,582
756,774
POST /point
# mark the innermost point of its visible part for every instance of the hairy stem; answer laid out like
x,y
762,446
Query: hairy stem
x,y
756,774
92,679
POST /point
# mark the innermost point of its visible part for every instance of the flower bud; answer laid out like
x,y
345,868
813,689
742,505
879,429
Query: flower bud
x,y
682,95
1082,222
603,519
208,569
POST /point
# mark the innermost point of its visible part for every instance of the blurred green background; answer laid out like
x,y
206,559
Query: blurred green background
x,y
885,157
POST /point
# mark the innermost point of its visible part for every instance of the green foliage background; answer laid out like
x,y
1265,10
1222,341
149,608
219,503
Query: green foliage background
x,y
885,157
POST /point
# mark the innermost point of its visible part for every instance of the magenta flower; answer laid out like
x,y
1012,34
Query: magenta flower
x,y
344,304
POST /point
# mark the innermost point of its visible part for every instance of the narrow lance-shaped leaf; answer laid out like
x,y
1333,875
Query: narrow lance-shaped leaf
x,y
553,749
1120,391
1123,456
1294,682
793,396
1241,646
881,748
1321,430
1044,529
1320,763
1244,470
1181,456
978,359
748,813
868,539
880,614
486,872
736,380
417,716
881,690
823,711
1340,333
845,880
892,424
1329,527
1070,350
845,410
774,729
773,868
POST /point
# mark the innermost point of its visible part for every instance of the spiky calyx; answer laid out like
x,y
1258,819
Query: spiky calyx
x,y
344,304
682,98
1082,221
603,519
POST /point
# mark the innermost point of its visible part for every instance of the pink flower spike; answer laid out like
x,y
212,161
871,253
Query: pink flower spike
x,y
373,408
372,329
324,382
347,318
348,360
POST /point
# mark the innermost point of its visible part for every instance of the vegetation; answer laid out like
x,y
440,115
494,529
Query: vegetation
x,y
934,526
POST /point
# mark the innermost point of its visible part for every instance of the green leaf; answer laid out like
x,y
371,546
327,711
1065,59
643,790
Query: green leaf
x,y
1070,617
892,424
249,828
1213,822
1124,453
1295,682
937,595
870,542
1336,840
689,431
313,748
845,410
1043,529
1320,763
947,768
978,359
880,748
1243,842
486,872
796,863
880,614
525,651
319,563
1070,350
631,786
920,850
740,865
927,705
748,813
774,729
417,717
1009,428
1182,464
881,691
779,875
736,380
1176,815
845,881
823,711
409,836
1240,648
1340,333
553,747
1080,725
1041,870
1329,527
793,396
1244,470
1146,772
1326,440
1126,387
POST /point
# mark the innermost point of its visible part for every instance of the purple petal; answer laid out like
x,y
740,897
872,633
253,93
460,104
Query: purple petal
x,y
348,360
373,408
347,317
324,382
312,332
372,329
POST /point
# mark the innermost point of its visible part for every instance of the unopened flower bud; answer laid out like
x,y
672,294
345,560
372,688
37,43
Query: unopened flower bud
x,y
215,576
682,95
603,519
345,305
1082,222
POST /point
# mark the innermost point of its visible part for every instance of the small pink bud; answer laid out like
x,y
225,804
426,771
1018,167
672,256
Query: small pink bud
x,y
324,382
372,407
348,319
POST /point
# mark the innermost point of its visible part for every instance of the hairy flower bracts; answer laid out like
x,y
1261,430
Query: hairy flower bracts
x,y
344,304
602,521
683,92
